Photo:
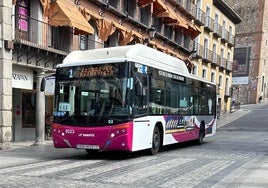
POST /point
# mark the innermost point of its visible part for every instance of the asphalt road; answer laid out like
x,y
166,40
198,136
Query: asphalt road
x,y
236,156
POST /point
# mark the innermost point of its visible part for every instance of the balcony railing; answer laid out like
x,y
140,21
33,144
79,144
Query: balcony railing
x,y
39,34
225,34
212,57
200,16
231,39
186,6
209,23
229,65
208,55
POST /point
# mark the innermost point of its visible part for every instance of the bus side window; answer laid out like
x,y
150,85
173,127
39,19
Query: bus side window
x,y
184,99
157,97
141,93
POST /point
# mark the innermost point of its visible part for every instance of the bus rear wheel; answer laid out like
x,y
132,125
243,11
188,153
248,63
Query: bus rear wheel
x,y
156,141
92,151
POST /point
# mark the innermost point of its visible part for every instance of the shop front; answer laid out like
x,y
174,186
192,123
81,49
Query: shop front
x,y
24,94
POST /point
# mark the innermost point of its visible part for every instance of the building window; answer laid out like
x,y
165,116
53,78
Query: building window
x,y
220,81
204,73
186,42
178,37
113,3
83,42
130,8
222,57
213,77
214,55
216,23
194,70
207,17
168,31
145,15
206,48
227,85
158,24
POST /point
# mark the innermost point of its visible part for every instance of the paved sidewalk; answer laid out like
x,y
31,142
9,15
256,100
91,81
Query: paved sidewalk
x,y
228,117
16,145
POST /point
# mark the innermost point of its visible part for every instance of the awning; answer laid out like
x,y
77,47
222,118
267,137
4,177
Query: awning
x,y
158,7
45,4
144,3
65,13
169,16
89,14
193,31
125,36
181,23
105,29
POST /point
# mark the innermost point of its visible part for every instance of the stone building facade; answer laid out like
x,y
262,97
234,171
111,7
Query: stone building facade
x,y
36,35
215,48
250,77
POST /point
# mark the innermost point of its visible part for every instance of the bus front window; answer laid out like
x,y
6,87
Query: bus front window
x,y
92,98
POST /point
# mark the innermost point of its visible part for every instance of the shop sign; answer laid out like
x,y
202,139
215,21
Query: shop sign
x,y
22,78
50,85
240,80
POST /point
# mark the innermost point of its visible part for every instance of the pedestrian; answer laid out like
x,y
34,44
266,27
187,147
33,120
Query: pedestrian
x,y
48,126
260,99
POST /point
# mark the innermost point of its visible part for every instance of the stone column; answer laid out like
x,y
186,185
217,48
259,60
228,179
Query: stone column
x,y
40,111
5,75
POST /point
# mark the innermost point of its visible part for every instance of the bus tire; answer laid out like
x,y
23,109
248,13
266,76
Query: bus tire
x,y
156,141
201,135
91,151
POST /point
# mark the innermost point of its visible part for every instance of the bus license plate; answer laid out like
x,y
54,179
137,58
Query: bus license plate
x,y
83,146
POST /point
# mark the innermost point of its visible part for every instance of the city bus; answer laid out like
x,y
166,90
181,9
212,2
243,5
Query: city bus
x,y
129,98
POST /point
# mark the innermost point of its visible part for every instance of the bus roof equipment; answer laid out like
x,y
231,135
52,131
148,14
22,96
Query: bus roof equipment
x,y
137,53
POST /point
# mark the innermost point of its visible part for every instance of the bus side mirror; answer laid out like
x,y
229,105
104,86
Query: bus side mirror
x,y
43,84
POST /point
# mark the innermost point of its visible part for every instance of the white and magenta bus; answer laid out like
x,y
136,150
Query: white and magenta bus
x,y
129,98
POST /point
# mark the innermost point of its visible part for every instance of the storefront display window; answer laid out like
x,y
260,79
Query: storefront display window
x,y
28,110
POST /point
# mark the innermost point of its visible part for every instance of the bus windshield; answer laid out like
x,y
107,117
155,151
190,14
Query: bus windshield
x,y
92,98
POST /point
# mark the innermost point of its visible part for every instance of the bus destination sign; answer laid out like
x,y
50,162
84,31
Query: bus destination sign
x,y
171,75
102,71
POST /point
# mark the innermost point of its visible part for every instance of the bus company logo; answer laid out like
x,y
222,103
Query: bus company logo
x,y
173,123
141,68
86,135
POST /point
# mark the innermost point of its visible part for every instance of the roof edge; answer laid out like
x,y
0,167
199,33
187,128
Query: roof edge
x,y
229,12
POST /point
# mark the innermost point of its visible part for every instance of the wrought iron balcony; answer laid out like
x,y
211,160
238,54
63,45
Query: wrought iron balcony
x,y
209,23
36,33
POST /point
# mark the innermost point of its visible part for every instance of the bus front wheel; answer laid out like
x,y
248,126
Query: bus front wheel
x,y
156,141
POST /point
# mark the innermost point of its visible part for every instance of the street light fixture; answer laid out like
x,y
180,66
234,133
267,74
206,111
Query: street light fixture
x,y
152,32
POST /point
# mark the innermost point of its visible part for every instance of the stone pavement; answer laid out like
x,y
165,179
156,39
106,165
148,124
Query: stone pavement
x,y
258,176
260,173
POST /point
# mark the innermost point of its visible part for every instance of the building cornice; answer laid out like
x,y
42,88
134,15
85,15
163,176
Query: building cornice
x,y
228,11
